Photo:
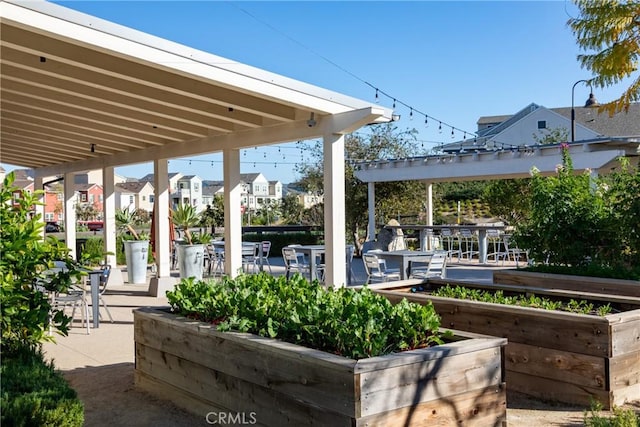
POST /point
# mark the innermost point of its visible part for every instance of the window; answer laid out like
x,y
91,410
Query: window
x,y
144,198
83,197
59,196
101,198
91,198
130,200
542,124
151,198
196,186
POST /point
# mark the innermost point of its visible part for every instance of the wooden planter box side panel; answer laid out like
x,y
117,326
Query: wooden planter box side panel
x,y
626,334
231,394
565,281
557,365
331,386
548,389
423,382
582,334
475,408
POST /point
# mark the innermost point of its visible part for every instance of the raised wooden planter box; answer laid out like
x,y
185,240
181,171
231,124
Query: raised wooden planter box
x,y
564,281
272,383
552,355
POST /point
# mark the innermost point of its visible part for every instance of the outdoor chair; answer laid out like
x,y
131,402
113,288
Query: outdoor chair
x,y
467,244
494,238
512,251
250,256
265,246
436,267
448,242
293,262
104,281
376,269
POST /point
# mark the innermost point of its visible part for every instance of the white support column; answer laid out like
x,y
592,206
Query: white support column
x,y
429,219
371,189
162,281
70,213
334,215
232,217
109,214
39,209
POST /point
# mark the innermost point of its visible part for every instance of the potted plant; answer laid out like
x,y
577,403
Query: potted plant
x,y
191,250
136,245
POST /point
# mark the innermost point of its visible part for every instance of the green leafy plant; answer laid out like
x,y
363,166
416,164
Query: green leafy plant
x,y
620,417
26,312
530,300
348,322
126,220
185,217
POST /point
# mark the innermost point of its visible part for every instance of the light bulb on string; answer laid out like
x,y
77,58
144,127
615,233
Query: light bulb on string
x,y
411,114
440,127
394,103
189,162
377,99
452,134
426,121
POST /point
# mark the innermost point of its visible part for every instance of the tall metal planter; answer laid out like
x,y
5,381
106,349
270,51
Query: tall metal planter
x,y
136,253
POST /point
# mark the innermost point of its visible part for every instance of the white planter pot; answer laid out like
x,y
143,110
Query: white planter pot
x,y
191,261
136,253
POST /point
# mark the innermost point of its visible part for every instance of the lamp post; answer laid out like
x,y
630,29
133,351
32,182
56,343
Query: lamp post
x,y
591,102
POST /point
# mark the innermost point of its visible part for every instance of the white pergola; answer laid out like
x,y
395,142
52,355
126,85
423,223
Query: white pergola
x,y
79,93
597,155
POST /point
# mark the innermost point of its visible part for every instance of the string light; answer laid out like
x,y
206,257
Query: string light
x,y
412,109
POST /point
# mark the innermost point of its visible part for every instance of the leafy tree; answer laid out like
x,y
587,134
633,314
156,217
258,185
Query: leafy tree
x,y
291,209
611,28
392,198
551,136
85,212
213,215
509,199
26,312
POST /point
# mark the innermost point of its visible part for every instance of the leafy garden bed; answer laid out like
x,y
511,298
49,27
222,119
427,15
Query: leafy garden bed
x,y
346,322
564,356
197,358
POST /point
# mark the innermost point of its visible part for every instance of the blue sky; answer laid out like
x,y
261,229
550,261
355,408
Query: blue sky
x,y
454,61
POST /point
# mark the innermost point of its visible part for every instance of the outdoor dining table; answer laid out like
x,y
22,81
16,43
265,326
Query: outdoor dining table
x,y
404,258
94,282
313,252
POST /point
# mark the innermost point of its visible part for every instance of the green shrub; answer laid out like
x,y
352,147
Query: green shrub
x,y
578,219
352,323
25,311
34,394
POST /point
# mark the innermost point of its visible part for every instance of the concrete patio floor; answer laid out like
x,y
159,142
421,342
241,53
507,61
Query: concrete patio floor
x,y
100,365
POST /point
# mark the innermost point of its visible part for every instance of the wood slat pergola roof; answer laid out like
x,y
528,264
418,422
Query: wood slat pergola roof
x,y
80,93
